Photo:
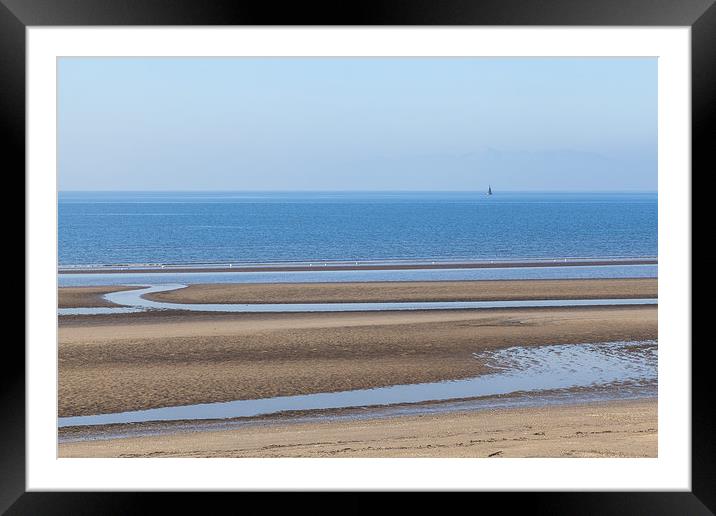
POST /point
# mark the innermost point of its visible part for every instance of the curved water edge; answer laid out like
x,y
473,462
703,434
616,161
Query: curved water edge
x,y
511,401
629,367
134,301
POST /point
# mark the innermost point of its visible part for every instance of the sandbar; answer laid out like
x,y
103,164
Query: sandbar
x,y
401,291
85,297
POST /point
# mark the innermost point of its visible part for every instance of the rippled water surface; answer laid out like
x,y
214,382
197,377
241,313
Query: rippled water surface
x,y
188,227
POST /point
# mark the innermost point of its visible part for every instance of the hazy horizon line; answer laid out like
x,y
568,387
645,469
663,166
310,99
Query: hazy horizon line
x,y
356,191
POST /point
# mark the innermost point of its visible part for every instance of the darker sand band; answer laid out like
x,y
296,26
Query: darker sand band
x,y
486,290
358,292
354,266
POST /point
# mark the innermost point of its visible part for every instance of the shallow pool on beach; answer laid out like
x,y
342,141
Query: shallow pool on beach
x,y
626,369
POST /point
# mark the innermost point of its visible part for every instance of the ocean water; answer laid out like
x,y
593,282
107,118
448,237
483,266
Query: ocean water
x,y
99,228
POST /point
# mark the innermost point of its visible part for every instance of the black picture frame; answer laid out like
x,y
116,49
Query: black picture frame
x,y
17,15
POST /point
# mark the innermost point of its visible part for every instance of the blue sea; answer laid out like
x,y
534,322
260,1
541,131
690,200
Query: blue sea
x,y
101,228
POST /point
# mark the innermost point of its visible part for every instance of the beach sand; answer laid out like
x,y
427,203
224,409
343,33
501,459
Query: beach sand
x,y
120,362
138,361
398,291
614,429
85,297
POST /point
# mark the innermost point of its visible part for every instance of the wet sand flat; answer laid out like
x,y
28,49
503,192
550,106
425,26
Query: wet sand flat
x,y
614,429
138,361
398,291
85,297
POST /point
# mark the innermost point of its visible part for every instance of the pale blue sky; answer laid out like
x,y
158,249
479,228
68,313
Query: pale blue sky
x,y
357,123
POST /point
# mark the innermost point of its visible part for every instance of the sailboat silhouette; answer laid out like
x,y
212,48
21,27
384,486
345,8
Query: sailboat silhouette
x,y
489,190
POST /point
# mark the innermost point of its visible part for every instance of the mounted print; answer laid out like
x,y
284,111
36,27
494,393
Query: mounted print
x,y
357,257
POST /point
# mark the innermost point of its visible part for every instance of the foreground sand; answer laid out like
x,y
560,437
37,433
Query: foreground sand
x,y
397,291
615,429
138,361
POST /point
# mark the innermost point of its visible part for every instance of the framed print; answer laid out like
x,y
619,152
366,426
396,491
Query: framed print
x,y
395,249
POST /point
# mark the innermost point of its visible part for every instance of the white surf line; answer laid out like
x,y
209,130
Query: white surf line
x,y
628,364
